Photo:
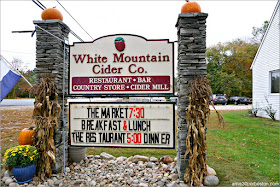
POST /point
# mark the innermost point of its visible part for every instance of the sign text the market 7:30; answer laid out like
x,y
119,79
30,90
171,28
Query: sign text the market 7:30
x,y
122,124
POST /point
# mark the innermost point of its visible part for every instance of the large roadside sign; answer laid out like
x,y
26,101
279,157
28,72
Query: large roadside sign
x,y
121,64
135,125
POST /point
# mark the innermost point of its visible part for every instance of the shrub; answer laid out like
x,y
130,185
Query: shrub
x,y
22,155
269,110
255,110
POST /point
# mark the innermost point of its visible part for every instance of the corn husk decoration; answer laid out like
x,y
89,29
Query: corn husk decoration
x,y
197,113
46,114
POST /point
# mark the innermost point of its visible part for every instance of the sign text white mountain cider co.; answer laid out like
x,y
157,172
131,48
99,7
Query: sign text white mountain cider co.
x,y
121,64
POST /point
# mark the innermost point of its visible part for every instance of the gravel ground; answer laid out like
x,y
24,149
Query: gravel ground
x,y
105,170
109,171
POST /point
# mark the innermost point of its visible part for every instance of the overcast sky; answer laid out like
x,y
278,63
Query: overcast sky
x,y
227,20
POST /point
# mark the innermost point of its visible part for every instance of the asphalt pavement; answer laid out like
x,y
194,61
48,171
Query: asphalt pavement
x,y
17,102
30,103
232,107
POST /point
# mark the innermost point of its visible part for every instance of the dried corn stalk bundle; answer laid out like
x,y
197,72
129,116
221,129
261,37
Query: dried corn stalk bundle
x,y
46,114
197,112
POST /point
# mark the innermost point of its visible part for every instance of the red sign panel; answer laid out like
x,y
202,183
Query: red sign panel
x,y
121,83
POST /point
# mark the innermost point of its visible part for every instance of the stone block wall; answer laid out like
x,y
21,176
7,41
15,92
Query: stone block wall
x,y
191,61
49,63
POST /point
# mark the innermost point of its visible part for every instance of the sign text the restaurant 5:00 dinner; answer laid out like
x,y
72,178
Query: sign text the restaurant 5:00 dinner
x,y
121,64
147,125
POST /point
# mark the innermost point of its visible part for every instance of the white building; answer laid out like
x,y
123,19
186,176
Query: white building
x,y
266,68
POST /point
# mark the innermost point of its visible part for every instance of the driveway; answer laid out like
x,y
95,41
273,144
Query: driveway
x,y
30,103
231,107
17,102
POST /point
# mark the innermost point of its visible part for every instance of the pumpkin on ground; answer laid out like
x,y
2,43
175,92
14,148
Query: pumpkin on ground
x,y
189,7
51,13
26,136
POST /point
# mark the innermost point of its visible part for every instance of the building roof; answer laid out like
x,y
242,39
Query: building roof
x,y
265,34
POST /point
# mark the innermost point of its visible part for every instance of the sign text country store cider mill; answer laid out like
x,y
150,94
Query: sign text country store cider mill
x,y
147,125
121,64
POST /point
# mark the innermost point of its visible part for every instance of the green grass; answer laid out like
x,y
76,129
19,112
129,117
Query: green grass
x,y
246,150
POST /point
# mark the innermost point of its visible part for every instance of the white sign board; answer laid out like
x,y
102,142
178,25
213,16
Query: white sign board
x,y
120,65
135,125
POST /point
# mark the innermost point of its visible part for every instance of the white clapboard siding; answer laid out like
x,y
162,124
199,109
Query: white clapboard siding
x,y
266,60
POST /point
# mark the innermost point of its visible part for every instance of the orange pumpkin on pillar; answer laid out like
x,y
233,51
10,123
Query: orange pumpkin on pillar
x,y
51,13
190,7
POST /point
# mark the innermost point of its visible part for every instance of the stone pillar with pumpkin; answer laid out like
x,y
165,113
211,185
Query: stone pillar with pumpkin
x,y
49,64
191,61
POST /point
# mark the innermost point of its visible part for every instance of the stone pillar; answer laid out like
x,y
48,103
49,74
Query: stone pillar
x,y
191,61
49,63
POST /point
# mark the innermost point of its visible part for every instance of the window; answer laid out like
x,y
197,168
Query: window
x,y
275,81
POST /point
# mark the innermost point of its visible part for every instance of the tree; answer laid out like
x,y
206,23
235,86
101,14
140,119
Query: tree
x,y
21,89
258,32
229,67
222,82
229,64
18,64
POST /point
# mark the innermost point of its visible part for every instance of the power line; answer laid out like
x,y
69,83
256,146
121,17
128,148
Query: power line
x,y
58,37
49,33
39,5
74,19
17,52
74,34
